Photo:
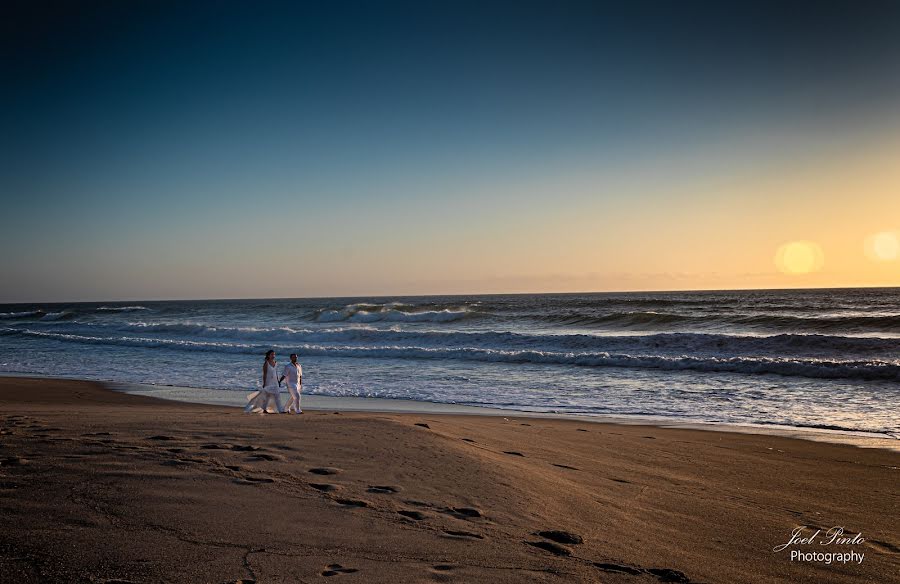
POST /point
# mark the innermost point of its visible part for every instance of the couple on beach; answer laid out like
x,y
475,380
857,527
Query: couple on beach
x,y
259,401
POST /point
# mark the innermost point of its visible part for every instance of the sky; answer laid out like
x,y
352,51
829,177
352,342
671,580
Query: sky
x,y
174,150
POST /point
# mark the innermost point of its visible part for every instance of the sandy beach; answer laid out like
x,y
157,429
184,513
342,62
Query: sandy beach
x,y
100,486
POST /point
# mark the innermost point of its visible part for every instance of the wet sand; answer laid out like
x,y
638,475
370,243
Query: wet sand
x,y
100,486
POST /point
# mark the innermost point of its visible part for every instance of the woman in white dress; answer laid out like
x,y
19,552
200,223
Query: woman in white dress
x,y
258,401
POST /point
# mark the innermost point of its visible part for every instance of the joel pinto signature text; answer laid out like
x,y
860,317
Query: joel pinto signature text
x,y
806,545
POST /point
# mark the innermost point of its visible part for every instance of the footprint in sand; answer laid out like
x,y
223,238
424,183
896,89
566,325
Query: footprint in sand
x,y
422,425
325,487
549,546
618,568
13,461
352,502
160,437
383,489
251,480
337,570
177,462
662,574
417,515
245,448
216,447
560,536
883,546
669,575
468,440
462,534
462,512
268,457
565,466
325,470
513,453
467,511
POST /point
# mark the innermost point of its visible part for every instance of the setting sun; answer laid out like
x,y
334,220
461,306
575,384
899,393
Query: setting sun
x,y
884,246
799,257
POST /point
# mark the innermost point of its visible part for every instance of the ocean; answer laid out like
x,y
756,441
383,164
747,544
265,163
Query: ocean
x,y
799,358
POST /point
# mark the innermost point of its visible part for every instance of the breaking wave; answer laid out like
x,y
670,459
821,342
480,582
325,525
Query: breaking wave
x,y
392,312
871,370
650,320
681,343
22,314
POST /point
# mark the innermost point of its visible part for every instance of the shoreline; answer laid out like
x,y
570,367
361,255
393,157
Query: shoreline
x,y
861,439
205,493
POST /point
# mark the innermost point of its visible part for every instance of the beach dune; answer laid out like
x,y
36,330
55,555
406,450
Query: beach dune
x,y
100,486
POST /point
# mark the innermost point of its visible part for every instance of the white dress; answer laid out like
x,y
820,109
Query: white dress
x,y
259,401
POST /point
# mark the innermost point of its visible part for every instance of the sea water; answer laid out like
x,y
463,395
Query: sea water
x,y
804,358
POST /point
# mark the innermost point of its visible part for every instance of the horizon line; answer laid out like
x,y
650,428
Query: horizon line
x,y
575,293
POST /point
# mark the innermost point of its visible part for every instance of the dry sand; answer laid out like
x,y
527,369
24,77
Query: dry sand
x,y
99,486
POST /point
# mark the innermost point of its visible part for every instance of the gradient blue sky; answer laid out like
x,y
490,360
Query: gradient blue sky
x,y
238,149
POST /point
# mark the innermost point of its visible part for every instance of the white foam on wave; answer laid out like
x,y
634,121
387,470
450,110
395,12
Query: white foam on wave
x,y
122,308
23,314
798,367
391,315
698,344
57,315
399,312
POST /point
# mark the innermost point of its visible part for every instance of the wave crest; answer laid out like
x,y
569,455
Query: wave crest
x,y
22,314
870,370
650,320
392,312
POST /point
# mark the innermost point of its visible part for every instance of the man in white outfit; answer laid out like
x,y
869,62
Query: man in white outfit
x,y
293,372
